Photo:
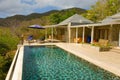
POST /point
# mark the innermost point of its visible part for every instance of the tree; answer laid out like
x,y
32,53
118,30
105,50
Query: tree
x,y
113,6
58,17
102,9
55,18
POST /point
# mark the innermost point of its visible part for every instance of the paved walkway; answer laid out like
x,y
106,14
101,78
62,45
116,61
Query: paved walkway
x,y
107,60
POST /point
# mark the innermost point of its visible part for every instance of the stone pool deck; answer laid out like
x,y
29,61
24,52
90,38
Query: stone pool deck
x,y
107,60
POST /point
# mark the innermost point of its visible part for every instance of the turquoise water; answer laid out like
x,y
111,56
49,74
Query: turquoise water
x,y
53,63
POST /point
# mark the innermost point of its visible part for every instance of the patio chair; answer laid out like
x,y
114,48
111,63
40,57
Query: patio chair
x,y
78,40
102,42
30,39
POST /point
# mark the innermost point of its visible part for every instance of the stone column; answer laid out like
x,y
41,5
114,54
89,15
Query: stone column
x,y
83,36
92,34
69,32
52,32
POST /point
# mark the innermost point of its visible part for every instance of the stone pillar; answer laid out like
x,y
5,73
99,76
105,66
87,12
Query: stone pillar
x,y
92,34
83,36
69,32
52,33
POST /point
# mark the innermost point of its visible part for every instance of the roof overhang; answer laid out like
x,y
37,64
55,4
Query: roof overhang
x,y
96,24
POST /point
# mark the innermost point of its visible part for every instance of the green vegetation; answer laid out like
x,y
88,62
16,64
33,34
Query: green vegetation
x,y
103,9
57,17
8,42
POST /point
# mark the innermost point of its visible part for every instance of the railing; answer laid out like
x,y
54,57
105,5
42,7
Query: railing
x,y
11,70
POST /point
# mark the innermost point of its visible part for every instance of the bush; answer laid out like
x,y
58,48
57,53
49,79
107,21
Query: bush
x,y
3,49
8,43
8,39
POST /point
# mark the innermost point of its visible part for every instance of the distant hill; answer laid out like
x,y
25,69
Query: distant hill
x,y
11,19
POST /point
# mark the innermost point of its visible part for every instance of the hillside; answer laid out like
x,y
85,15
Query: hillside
x,y
10,21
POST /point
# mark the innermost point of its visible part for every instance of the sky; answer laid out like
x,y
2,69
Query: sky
x,y
25,7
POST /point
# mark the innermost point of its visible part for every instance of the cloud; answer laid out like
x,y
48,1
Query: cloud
x,y
12,7
66,3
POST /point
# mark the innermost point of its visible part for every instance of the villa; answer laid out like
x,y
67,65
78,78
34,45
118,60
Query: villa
x,y
70,60
77,26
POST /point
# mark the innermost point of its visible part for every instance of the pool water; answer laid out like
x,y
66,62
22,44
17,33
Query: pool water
x,y
53,63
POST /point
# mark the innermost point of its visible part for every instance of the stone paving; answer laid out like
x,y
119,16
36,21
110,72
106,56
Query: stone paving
x,y
107,60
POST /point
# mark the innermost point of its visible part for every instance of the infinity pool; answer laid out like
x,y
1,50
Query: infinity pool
x,y
53,63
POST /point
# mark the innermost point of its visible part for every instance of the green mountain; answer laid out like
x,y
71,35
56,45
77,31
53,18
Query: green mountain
x,y
7,22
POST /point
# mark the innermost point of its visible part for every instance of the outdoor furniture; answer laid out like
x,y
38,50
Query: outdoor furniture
x,y
52,40
101,42
30,39
78,40
88,39
36,26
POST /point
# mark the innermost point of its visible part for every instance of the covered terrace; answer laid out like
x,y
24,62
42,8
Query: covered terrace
x,y
65,31
108,29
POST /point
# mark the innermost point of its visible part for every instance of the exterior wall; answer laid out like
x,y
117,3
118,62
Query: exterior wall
x,y
96,35
115,35
115,32
110,32
61,34
102,32
73,34
80,31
